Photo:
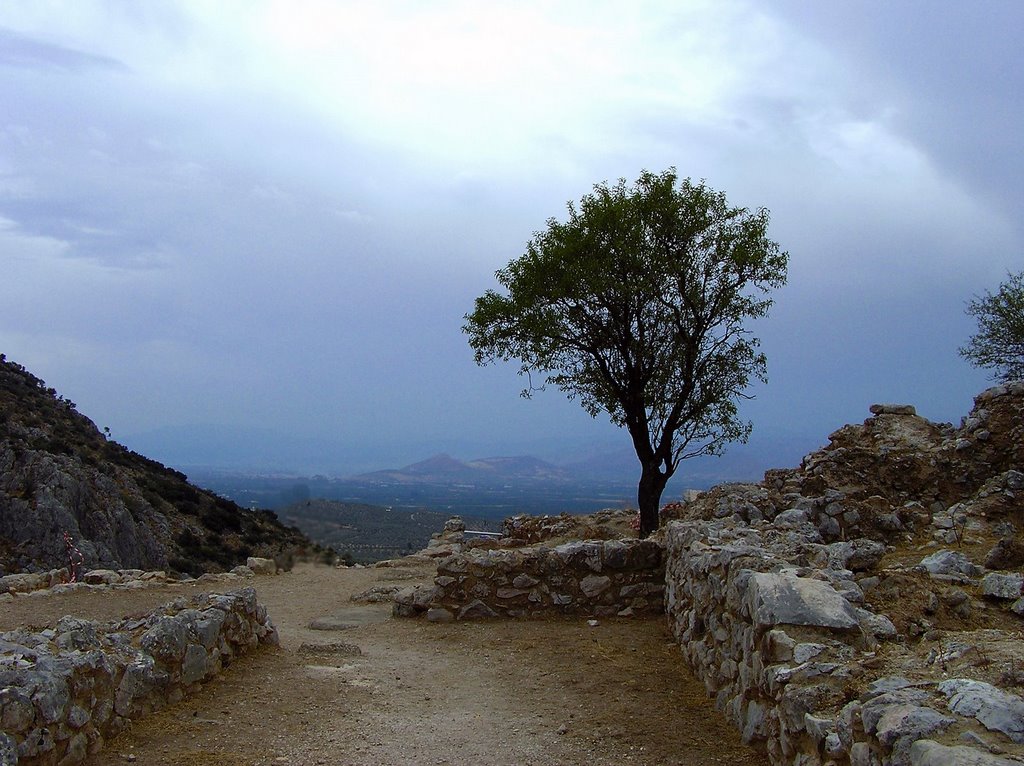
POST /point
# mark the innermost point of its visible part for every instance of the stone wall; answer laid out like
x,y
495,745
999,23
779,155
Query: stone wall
x,y
65,691
771,621
597,577
57,581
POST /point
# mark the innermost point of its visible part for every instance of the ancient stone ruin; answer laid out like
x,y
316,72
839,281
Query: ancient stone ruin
x,y
863,609
599,577
65,691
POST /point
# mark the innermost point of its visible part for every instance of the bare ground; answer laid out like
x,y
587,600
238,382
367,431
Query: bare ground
x,y
542,692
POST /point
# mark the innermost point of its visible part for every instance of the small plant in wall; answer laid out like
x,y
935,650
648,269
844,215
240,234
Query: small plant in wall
x,y
959,528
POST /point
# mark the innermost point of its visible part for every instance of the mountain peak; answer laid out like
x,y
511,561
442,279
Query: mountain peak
x,y
441,463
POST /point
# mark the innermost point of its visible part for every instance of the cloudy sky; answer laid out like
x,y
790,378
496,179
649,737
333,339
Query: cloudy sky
x,y
258,225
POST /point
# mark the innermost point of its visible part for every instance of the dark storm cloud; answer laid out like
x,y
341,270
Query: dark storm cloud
x,y
951,71
276,219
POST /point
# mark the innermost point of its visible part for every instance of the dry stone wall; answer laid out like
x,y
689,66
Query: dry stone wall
x,y
65,691
56,581
599,577
854,611
825,609
772,622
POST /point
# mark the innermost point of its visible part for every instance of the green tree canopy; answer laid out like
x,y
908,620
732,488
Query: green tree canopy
x,y
636,306
999,343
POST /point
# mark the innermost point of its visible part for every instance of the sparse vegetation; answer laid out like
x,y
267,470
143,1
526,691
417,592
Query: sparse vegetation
x,y
999,343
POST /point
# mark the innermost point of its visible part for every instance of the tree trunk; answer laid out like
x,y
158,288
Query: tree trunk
x,y
648,499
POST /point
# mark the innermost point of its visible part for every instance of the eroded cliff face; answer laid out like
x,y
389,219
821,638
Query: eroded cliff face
x,y
60,476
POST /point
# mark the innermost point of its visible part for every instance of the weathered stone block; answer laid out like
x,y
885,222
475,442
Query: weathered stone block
x,y
995,709
593,586
925,752
510,593
475,609
785,599
950,562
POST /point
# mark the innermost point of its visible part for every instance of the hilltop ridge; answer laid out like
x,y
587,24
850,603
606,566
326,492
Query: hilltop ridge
x,y
60,475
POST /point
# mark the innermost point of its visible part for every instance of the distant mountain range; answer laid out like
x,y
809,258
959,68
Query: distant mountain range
x,y
495,487
742,462
444,469
210,449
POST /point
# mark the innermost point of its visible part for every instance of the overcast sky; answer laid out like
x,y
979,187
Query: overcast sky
x,y
270,217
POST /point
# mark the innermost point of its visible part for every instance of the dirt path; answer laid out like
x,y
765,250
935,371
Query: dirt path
x,y
540,692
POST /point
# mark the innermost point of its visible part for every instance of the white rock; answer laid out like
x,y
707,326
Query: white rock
x,y
261,566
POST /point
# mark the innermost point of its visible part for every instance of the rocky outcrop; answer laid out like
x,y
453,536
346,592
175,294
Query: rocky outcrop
x,y
65,691
69,496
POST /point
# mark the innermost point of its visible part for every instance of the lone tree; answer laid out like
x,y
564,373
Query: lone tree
x,y
999,342
636,306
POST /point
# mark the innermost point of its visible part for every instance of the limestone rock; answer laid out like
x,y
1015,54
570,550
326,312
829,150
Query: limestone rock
x,y
901,725
261,566
101,577
995,709
856,555
893,409
439,614
166,641
785,599
925,752
792,518
476,608
1008,553
593,586
414,600
1003,586
23,582
947,562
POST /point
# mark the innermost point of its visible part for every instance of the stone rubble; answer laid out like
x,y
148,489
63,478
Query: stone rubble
x,y
65,691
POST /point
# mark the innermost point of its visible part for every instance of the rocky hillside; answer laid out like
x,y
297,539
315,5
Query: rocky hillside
x,y
59,474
